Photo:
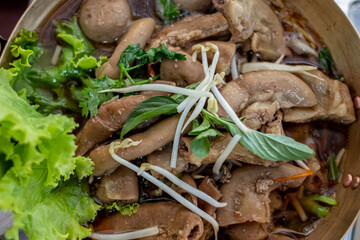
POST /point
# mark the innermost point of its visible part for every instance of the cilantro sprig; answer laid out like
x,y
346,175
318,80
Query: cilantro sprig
x,y
153,55
91,98
171,13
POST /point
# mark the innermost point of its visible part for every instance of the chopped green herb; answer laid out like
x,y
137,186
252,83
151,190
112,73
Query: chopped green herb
x,y
171,13
91,99
328,63
333,169
134,52
326,59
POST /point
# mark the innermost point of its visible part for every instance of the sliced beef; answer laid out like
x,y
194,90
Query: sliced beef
x,y
255,19
248,231
193,28
173,220
334,101
157,136
247,193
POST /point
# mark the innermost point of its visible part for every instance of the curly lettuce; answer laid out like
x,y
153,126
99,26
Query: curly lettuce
x,y
46,86
40,180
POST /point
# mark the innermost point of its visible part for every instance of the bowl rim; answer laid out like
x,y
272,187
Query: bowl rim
x,y
42,8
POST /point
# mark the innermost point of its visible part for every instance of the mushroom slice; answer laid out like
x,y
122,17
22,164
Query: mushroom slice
x,y
173,220
239,152
255,19
121,185
182,72
334,101
139,31
248,230
157,136
283,87
110,118
190,29
251,186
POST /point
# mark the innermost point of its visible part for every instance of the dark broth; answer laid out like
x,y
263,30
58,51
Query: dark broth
x,y
328,138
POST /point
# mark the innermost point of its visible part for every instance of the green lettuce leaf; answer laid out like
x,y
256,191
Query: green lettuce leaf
x,y
123,209
46,86
47,213
38,171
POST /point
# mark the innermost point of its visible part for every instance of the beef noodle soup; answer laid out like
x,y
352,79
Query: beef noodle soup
x,y
195,120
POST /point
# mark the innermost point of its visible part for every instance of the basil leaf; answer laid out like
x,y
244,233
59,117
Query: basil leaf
x,y
275,147
333,169
209,133
267,146
195,123
200,147
204,126
149,108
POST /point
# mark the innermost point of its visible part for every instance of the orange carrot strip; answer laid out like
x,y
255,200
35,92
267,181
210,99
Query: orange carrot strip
x,y
305,174
152,72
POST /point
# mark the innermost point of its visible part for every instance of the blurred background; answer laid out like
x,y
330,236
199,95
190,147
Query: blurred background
x,y
11,11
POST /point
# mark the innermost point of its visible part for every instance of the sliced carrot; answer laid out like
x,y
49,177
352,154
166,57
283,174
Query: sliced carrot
x,y
305,174
152,72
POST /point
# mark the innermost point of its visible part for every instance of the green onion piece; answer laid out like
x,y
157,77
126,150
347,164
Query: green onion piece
x,y
333,169
310,204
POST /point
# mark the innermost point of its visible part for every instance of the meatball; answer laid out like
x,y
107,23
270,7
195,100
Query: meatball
x,y
194,5
104,20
